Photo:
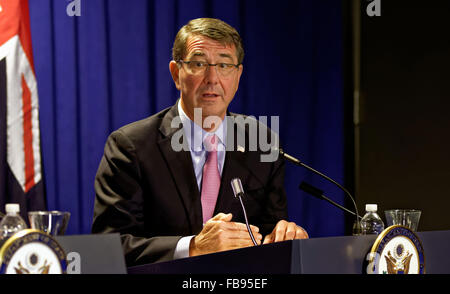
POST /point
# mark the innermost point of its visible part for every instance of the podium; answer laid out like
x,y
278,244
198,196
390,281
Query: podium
x,y
94,253
332,255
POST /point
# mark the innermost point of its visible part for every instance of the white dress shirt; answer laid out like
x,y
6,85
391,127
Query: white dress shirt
x,y
195,136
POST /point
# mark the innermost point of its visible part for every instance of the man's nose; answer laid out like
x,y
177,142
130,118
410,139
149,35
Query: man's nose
x,y
211,75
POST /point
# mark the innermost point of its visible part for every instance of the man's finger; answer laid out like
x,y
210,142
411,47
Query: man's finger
x,y
239,227
240,244
254,229
244,235
291,231
280,231
268,239
301,233
222,216
232,225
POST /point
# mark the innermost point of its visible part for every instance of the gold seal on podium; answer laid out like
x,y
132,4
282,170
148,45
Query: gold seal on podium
x,y
397,250
32,252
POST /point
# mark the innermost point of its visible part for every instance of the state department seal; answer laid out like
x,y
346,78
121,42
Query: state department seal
x,y
397,250
32,252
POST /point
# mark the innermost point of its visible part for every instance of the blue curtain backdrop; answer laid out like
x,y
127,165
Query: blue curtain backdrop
x,y
108,67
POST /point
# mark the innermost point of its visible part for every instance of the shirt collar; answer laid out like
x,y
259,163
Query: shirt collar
x,y
195,134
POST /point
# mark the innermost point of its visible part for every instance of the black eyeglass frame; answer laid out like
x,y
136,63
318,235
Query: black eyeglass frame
x,y
206,63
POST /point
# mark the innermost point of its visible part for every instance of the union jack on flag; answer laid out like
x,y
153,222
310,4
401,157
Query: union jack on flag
x,y
21,177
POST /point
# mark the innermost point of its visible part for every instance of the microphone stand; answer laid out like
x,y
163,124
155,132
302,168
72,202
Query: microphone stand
x,y
356,225
238,192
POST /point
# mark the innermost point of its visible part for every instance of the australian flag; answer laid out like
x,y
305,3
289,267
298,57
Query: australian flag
x,y
21,176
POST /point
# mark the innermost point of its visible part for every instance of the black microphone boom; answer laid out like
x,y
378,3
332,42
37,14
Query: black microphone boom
x,y
298,162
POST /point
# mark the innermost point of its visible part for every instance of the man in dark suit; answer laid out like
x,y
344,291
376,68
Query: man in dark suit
x,y
164,182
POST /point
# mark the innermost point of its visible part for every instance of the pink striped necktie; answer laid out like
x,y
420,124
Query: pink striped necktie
x,y
211,178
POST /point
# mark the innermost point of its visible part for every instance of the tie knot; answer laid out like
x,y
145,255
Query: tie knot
x,y
211,142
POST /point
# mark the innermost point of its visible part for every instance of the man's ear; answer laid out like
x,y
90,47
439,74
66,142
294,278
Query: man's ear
x,y
175,71
241,69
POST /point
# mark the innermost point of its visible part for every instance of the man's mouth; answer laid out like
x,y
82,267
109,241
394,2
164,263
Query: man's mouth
x,y
210,95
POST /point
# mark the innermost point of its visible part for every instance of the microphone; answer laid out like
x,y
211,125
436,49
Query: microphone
x,y
310,189
357,226
238,191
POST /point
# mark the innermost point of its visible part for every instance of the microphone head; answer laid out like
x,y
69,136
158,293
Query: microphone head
x,y
236,184
311,190
276,149
287,156
279,149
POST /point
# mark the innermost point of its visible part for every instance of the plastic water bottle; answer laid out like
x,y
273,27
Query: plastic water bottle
x,y
371,222
12,222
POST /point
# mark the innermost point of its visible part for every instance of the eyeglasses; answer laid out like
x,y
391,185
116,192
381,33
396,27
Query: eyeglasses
x,y
194,67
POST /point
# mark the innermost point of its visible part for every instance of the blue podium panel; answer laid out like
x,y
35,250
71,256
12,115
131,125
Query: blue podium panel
x,y
334,255
436,245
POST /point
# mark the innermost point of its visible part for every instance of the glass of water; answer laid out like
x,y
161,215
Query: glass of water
x,y
52,222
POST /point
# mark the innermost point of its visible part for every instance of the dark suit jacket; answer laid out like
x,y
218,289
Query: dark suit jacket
x,y
148,192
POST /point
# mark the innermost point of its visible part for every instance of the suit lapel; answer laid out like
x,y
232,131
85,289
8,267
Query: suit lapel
x,y
180,166
233,168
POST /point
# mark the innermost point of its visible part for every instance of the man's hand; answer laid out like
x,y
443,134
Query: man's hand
x,y
220,233
285,231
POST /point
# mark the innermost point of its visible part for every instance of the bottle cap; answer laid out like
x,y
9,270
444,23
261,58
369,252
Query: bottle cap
x,y
12,208
371,207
